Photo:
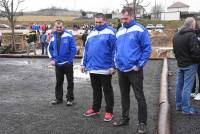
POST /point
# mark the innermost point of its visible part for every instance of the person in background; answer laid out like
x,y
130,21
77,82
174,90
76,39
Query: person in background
x,y
119,24
44,41
61,51
98,60
84,37
196,92
187,52
0,38
31,39
133,49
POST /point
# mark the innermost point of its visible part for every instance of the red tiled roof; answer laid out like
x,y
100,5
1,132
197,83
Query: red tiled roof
x,y
178,5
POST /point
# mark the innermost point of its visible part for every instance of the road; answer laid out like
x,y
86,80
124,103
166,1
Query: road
x,y
27,86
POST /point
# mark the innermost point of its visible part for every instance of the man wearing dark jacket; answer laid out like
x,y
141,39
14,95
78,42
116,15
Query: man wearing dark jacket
x,y
84,37
185,45
31,38
0,37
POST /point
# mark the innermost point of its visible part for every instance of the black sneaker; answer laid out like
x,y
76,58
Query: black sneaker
x,y
56,102
141,129
69,102
121,122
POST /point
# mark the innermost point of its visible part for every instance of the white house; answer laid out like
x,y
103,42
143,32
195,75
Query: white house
x,y
174,11
90,15
178,6
170,16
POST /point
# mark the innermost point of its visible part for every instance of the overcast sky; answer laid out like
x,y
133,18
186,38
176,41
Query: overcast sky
x,y
98,5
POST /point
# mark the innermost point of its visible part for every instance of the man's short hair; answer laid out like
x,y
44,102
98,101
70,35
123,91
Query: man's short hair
x,y
129,10
189,21
100,15
59,21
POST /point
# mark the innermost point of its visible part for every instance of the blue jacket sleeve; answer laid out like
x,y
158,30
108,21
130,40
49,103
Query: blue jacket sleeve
x,y
113,47
50,50
84,59
146,48
72,48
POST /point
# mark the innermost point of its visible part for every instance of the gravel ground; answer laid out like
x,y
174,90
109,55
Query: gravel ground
x,y
181,124
27,86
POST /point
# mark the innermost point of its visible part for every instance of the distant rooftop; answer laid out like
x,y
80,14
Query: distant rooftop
x,y
178,5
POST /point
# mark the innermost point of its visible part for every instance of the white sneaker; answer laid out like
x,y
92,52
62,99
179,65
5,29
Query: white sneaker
x,y
69,102
197,97
193,95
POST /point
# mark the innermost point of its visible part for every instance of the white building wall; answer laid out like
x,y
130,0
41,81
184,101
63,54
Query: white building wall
x,y
178,9
90,15
170,16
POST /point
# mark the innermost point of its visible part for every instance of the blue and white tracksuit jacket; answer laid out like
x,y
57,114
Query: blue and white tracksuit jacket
x,y
99,51
133,47
67,48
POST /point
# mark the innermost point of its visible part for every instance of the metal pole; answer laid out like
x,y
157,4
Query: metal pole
x,y
155,10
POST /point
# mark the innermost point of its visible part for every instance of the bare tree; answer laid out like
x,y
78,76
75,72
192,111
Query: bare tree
x,y
135,4
156,10
127,3
83,13
9,10
106,10
52,11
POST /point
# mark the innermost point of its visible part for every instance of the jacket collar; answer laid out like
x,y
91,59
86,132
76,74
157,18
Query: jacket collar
x,y
130,24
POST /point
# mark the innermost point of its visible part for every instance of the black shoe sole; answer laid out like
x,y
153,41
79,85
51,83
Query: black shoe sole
x,y
69,105
56,103
115,124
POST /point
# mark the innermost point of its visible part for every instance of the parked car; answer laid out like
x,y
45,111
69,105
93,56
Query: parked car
x,y
150,26
159,26
4,26
159,30
20,27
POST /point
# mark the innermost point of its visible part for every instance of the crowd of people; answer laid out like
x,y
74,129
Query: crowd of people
x,y
124,51
38,35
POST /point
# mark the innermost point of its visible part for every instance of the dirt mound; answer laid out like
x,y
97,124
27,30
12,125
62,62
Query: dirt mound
x,y
163,39
79,45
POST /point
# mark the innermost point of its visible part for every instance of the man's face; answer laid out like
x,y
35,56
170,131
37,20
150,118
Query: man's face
x,y
126,18
59,27
99,21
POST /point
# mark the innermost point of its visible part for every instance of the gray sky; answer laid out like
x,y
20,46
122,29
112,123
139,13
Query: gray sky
x,y
98,5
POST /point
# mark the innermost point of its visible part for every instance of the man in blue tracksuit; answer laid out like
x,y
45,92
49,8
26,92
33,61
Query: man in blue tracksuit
x,y
61,51
98,60
133,49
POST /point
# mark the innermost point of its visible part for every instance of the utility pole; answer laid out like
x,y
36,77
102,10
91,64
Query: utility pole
x,y
12,26
74,5
165,10
155,10
134,8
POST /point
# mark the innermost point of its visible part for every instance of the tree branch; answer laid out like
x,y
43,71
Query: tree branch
x,y
127,3
18,3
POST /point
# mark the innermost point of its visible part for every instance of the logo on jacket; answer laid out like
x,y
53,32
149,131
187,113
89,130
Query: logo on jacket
x,y
131,37
102,37
65,41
